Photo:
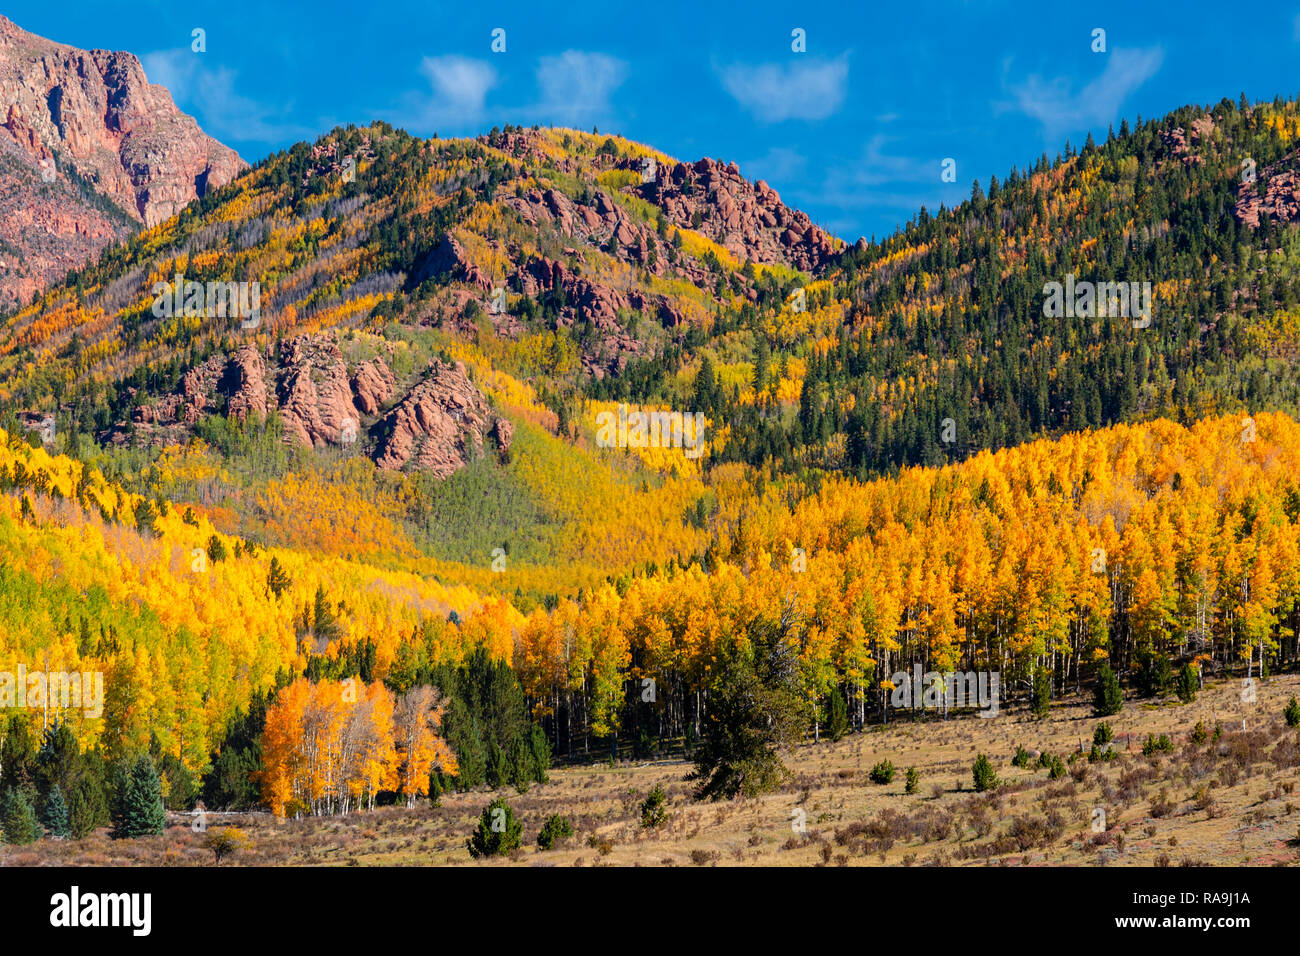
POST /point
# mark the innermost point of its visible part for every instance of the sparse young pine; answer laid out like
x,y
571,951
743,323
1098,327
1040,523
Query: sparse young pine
x,y
1187,684
555,831
1292,713
653,810
1199,734
498,832
1103,734
1021,759
882,773
1108,698
985,776
913,780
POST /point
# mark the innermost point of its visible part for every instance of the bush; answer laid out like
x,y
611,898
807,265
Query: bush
x,y
913,779
985,777
1103,734
1292,713
1021,759
1107,697
1199,734
555,831
882,773
653,810
498,831
224,842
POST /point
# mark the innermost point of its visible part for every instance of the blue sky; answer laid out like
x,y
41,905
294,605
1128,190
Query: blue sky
x,y
854,130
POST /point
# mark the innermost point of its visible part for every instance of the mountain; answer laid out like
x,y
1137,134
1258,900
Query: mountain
x,y
349,414
89,151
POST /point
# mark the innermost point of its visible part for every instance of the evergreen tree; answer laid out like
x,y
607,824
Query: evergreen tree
x,y
498,831
18,818
87,808
1108,698
837,719
756,710
56,814
985,777
1187,684
1041,703
139,800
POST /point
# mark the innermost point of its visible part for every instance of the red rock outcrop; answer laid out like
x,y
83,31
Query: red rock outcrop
x,y
440,424
92,111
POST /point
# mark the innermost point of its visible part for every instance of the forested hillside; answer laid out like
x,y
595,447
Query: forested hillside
x,y
388,479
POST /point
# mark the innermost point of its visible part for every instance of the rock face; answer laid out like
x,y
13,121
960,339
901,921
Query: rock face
x,y
748,219
441,424
65,111
438,425
1274,194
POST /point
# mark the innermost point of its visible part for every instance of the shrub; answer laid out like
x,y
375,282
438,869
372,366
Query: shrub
x,y
1199,734
555,831
985,777
913,779
498,831
653,809
882,772
1103,734
1187,684
1021,759
225,842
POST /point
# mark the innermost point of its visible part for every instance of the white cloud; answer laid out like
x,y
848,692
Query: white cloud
x,y
575,87
806,89
211,95
1060,110
458,89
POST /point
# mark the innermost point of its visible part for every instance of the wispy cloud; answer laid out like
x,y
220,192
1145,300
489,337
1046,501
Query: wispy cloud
x,y
804,89
575,87
210,94
456,98
1060,110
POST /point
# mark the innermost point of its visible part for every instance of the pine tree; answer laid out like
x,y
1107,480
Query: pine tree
x,y
985,777
1041,704
56,814
140,802
1187,684
18,818
837,720
1107,698
498,831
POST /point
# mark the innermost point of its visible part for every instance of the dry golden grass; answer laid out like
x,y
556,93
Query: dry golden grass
x,y
1230,802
